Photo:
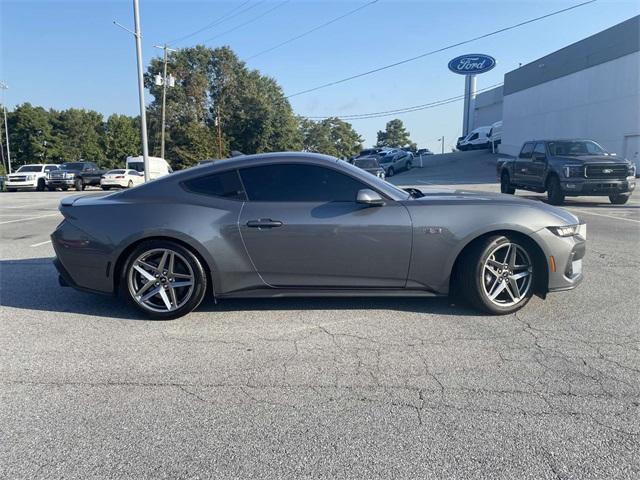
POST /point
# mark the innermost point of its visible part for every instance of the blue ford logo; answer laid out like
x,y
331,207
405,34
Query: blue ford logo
x,y
472,64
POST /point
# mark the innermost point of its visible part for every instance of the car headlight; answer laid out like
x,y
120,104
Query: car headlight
x,y
573,171
565,231
632,170
31,177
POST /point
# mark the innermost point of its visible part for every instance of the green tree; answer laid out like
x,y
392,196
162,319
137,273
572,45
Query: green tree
x,y
395,136
214,87
78,134
330,136
30,134
121,139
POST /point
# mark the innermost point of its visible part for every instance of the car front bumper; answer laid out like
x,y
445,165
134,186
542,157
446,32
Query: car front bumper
x,y
60,182
599,186
563,256
27,184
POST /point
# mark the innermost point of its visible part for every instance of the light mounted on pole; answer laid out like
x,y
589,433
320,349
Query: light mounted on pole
x,y
164,81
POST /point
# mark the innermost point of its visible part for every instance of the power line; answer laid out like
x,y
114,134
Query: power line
x,y
227,16
304,34
399,111
248,21
448,47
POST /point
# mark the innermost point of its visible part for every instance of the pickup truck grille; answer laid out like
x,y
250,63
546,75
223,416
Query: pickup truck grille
x,y
17,179
606,171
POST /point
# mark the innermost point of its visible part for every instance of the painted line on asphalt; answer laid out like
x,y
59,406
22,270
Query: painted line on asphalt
x,y
40,244
603,215
25,219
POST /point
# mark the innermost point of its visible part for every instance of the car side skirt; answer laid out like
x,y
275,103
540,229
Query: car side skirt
x,y
327,292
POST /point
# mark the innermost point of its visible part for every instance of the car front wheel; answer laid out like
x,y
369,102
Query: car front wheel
x,y
619,199
163,279
79,185
499,275
390,172
554,191
505,184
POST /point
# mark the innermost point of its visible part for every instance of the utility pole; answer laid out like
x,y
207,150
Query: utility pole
x,y
4,87
441,139
143,113
219,132
171,82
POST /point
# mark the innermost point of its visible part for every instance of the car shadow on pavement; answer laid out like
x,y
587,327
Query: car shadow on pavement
x,y
32,285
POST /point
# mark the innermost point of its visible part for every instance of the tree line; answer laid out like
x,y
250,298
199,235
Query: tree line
x,y
217,105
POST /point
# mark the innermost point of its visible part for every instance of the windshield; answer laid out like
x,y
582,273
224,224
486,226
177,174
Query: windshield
x,y
30,168
367,163
137,166
71,166
575,148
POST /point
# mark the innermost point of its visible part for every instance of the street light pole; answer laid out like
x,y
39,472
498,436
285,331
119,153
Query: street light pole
x,y
4,87
441,139
164,94
143,112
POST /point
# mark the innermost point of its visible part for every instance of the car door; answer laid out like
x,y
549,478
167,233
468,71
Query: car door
x,y
538,164
302,227
522,164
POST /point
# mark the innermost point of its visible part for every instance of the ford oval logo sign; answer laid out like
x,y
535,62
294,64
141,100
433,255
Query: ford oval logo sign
x,y
472,64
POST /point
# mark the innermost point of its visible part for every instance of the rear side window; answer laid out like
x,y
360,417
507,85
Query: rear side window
x,y
299,183
224,185
540,150
526,150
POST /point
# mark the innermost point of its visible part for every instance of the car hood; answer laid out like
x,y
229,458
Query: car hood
x,y
452,196
587,159
373,170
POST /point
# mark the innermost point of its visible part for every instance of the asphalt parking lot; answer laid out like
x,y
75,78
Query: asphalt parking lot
x,y
322,388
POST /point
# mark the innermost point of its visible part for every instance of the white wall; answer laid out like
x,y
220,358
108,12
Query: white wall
x,y
487,108
601,103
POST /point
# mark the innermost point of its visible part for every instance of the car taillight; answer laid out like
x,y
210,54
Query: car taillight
x,y
119,176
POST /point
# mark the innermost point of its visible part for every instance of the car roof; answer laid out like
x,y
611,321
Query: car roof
x,y
562,140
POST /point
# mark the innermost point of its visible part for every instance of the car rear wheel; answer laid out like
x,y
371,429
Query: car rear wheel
x,y
390,172
554,191
130,184
505,184
79,185
619,199
106,188
41,185
163,279
499,275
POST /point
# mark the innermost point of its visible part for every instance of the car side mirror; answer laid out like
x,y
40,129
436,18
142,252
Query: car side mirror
x,y
366,196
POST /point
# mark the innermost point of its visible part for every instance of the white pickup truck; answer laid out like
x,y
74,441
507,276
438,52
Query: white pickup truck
x,y
29,177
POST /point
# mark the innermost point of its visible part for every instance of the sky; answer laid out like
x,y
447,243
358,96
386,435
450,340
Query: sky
x,y
61,54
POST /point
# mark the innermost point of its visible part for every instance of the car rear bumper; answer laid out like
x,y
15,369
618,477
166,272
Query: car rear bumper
x,y
113,183
600,186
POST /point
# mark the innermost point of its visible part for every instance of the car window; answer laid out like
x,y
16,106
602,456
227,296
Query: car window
x,y
298,183
29,168
526,150
224,185
539,150
473,137
48,168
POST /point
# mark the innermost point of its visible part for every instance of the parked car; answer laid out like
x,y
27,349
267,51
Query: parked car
x,y
121,179
495,134
394,160
371,165
272,225
568,168
367,152
478,138
29,177
158,167
423,151
75,174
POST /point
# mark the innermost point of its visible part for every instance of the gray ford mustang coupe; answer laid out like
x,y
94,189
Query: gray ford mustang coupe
x,y
298,224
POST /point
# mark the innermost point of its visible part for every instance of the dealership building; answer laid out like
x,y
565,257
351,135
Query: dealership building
x,y
590,89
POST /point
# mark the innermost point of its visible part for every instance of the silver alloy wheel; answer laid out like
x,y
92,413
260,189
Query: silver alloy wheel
x,y
161,280
507,274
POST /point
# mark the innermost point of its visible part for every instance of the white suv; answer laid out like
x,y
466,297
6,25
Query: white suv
x,y
29,177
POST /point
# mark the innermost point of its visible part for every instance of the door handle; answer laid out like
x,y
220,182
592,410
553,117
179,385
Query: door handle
x,y
264,223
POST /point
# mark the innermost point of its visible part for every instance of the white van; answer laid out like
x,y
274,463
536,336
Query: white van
x,y
495,135
158,167
478,138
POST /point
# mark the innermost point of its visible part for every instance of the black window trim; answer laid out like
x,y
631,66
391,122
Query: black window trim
x,y
533,146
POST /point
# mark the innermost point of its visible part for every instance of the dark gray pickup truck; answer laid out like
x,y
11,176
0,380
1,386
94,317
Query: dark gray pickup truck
x,y
567,168
75,174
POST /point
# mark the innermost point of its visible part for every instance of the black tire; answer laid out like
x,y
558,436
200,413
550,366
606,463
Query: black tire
x,y
105,188
130,184
505,184
390,172
199,279
41,185
11,190
470,280
65,188
79,185
409,166
619,199
555,195
51,189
